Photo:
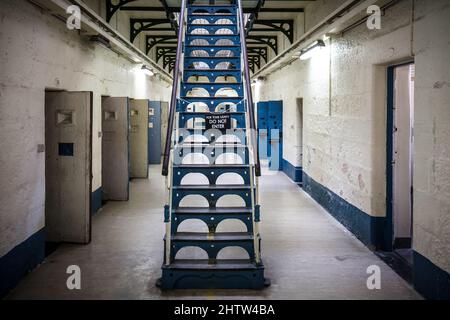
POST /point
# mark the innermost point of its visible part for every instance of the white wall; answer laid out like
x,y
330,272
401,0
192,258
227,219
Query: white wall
x,y
38,52
344,94
344,109
432,132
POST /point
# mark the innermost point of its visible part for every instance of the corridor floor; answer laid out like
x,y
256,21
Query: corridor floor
x,y
307,254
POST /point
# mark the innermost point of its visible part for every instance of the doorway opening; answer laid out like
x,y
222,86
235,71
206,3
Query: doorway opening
x,y
68,168
400,142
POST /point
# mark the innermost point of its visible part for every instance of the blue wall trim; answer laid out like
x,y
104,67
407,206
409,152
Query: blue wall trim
x,y
96,200
21,260
366,228
429,280
295,173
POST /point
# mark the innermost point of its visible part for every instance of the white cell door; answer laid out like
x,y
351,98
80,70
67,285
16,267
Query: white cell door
x,y
115,149
402,199
68,168
139,138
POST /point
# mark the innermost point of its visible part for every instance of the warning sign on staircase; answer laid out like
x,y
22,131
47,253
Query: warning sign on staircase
x,y
218,122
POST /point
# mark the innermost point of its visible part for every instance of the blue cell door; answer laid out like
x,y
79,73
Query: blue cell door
x,y
263,109
275,129
154,132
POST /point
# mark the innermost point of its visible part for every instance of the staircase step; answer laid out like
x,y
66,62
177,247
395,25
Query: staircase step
x,y
212,75
213,211
212,9
212,38
212,135
212,62
218,16
212,243
190,59
204,114
211,29
210,145
202,274
212,217
209,84
212,167
222,187
228,99
219,265
211,237
212,193
206,47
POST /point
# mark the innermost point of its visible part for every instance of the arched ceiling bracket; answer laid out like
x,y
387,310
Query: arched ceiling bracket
x,y
146,24
284,26
271,41
163,51
152,40
112,6
260,51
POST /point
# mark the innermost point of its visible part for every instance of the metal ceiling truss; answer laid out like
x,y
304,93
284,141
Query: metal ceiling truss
x,y
169,62
153,40
256,53
170,15
146,24
284,26
254,61
164,51
254,16
271,41
113,6
260,51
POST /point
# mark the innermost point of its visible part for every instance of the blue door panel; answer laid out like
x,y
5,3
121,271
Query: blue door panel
x,y
263,132
275,126
154,132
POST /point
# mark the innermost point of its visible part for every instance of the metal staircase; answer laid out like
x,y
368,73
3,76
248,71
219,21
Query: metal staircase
x,y
211,57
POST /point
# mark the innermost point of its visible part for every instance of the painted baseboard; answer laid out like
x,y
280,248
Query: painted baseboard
x,y
429,280
366,228
96,200
20,261
293,172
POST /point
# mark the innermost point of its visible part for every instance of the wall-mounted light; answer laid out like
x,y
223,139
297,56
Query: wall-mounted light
x,y
309,52
258,80
147,71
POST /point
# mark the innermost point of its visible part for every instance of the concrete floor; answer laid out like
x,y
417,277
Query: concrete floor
x,y
307,254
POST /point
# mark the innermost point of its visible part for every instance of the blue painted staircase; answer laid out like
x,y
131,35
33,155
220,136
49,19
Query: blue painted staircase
x,y
211,57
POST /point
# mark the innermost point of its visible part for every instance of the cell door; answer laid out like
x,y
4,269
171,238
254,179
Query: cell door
x,y
68,167
164,123
154,132
139,138
115,149
263,129
275,126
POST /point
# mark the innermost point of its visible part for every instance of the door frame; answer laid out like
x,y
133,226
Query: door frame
x,y
389,226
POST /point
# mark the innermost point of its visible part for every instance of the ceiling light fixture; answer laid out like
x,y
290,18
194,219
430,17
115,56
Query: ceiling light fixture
x,y
309,52
147,71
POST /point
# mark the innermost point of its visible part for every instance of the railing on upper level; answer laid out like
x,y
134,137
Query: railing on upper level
x,y
175,88
248,91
